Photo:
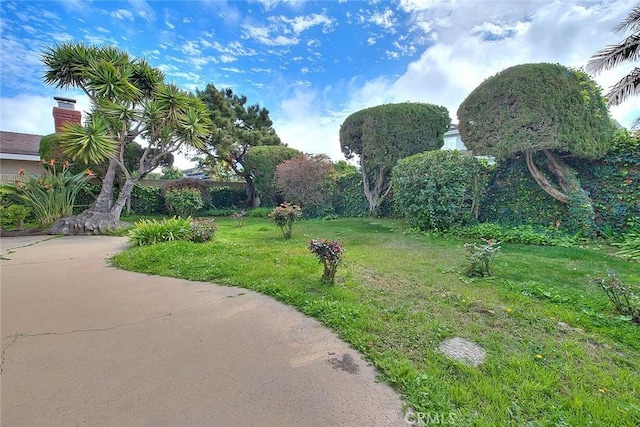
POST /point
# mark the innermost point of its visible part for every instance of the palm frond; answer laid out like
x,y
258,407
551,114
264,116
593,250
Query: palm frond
x,y
628,86
611,56
88,143
631,22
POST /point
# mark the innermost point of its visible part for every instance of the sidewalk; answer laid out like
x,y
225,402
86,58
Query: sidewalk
x,y
84,343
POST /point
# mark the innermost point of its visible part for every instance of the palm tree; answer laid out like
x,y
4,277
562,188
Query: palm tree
x,y
130,100
627,50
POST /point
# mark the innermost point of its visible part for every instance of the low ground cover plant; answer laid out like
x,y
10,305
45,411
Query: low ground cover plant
x,y
557,354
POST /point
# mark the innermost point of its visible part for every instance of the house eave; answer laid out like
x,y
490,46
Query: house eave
x,y
26,157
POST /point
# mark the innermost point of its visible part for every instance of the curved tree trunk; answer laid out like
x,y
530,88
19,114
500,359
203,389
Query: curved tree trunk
x,y
103,215
542,181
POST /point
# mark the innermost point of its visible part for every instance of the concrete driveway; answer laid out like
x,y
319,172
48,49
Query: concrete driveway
x,y
86,344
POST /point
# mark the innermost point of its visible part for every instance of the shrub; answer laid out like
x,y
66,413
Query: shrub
x,y
150,231
330,255
284,216
14,216
202,230
201,185
625,298
52,195
170,172
259,213
305,180
439,189
184,201
480,258
227,198
239,217
146,200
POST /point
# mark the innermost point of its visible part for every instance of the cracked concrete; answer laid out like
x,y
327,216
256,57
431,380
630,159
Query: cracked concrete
x,y
83,343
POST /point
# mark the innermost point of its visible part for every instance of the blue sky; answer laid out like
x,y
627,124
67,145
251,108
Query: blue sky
x,y
311,63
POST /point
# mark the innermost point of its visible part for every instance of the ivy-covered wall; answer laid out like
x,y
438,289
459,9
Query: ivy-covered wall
x,y
613,184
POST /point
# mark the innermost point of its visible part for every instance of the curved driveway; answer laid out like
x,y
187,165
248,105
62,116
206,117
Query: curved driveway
x,y
87,344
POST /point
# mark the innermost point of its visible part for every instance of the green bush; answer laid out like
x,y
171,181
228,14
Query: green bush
x,y
259,212
227,198
151,231
439,189
146,200
14,216
183,201
284,216
201,185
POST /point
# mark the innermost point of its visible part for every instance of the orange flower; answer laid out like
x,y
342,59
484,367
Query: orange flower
x,y
42,161
21,172
52,162
66,164
88,172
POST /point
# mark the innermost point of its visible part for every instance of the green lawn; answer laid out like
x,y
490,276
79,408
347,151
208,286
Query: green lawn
x,y
398,295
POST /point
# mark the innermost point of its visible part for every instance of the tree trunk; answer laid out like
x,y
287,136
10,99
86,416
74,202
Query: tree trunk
x,y
103,215
542,181
252,200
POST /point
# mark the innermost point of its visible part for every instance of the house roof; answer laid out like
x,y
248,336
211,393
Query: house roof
x,y
19,144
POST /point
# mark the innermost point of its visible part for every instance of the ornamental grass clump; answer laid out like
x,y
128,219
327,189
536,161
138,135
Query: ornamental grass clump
x,y
480,258
50,196
151,231
330,255
625,298
284,216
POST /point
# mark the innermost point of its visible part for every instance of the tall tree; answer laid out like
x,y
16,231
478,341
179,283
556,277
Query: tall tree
x,y
382,135
544,108
263,161
304,180
129,101
628,50
236,128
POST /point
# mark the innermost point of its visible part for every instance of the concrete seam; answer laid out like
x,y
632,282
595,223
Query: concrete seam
x,y
111,328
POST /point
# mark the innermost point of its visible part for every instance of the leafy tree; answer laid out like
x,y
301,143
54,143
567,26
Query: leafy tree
x,y
382,135
304,180
130,100
263,160
236,129
544,108
628,50
171,173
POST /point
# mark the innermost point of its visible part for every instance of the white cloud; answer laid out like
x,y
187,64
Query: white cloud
x,y
384,19
227,58
122,14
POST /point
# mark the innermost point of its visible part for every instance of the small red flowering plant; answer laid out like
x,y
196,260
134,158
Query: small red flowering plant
x,y
329,253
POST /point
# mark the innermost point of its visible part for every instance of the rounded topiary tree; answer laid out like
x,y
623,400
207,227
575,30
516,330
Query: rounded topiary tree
x,y
382,135
545,108
438,189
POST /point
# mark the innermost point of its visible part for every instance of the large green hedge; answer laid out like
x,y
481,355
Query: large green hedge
x,y
439,189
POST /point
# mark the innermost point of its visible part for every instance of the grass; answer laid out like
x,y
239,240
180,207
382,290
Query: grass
x,y
397,296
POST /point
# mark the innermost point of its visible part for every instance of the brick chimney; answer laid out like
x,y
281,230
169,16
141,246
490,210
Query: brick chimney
x,y
65,112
